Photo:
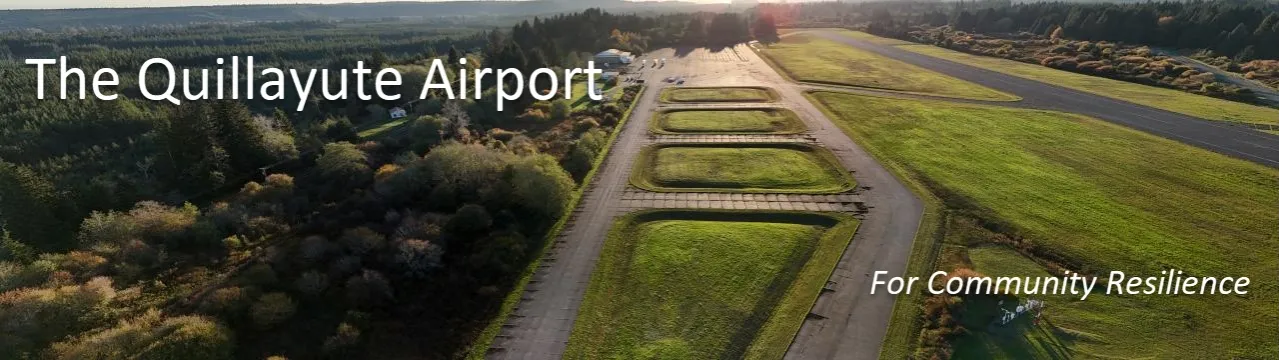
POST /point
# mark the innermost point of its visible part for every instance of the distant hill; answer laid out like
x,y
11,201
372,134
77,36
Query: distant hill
x,y
133,17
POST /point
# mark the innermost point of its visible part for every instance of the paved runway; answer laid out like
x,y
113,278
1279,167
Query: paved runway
x,y
1226,138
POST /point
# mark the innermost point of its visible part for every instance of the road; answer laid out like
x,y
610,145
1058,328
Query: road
x,y
1226,138
541,324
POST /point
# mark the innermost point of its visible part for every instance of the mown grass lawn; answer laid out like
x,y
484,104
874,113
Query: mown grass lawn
x,y
809,58
718,94
727,121
1168,99
689,284
740,167
1099,197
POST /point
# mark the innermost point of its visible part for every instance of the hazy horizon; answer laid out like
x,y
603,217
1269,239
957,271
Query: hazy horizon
x,y
84,4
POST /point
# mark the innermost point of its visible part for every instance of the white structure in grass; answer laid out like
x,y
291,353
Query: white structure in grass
x,y
1024,307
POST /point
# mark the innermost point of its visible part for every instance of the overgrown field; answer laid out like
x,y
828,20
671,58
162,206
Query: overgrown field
x,y
740,167
1168,99
718,94
688,284
1030,192
807,57
727,121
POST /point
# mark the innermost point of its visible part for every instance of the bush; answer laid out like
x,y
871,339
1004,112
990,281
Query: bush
x,y
470,219
342,339
314,248
417,257
362,240
540,186
368,289
152,337
311,283
34,317
272,309
227,302
259,274
560,110
585,124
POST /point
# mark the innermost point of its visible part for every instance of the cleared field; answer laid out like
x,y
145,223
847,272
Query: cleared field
x,y
1168,99
809,58
688,284
718,94
1093,197
727,121
739,167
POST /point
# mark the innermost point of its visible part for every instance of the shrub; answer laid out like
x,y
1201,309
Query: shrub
x,y
417,257
152,337
368,289
470,219
343,338
272,309
560,110
259,274
499,254
540,185
227,302
362,240
585,124
311,283
34,317
314,248
343,266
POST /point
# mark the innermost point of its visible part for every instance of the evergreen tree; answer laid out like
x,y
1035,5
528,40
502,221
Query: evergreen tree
x,y
766,29
29,209
240,136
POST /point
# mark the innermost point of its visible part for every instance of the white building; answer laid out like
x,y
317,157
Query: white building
x,y
397,113
613,58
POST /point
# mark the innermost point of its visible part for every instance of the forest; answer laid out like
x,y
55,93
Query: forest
x,y
239,229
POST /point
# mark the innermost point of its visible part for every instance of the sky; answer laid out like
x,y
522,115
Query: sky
x,y
70,4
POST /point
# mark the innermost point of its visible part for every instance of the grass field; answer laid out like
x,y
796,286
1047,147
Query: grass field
x,y
727,121
688,284
739,167
1173,100
1094,197
718,94
809,58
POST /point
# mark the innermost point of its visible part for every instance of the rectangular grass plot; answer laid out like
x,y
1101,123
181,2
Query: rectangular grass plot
x,y
740,167
727,121
718,94
690,284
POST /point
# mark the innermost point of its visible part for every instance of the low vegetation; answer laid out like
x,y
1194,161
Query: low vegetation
x,y
1131,63
683,284
1025,192
810,58
718,94
740,167
727,121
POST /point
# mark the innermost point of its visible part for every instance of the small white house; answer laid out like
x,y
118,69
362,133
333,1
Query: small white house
x,y
397,113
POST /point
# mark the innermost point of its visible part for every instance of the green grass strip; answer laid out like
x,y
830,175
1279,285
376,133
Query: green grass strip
x,y
694,94
726,121
707,283
740,167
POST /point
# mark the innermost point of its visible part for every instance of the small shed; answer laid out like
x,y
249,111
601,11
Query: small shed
x,y
397,112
